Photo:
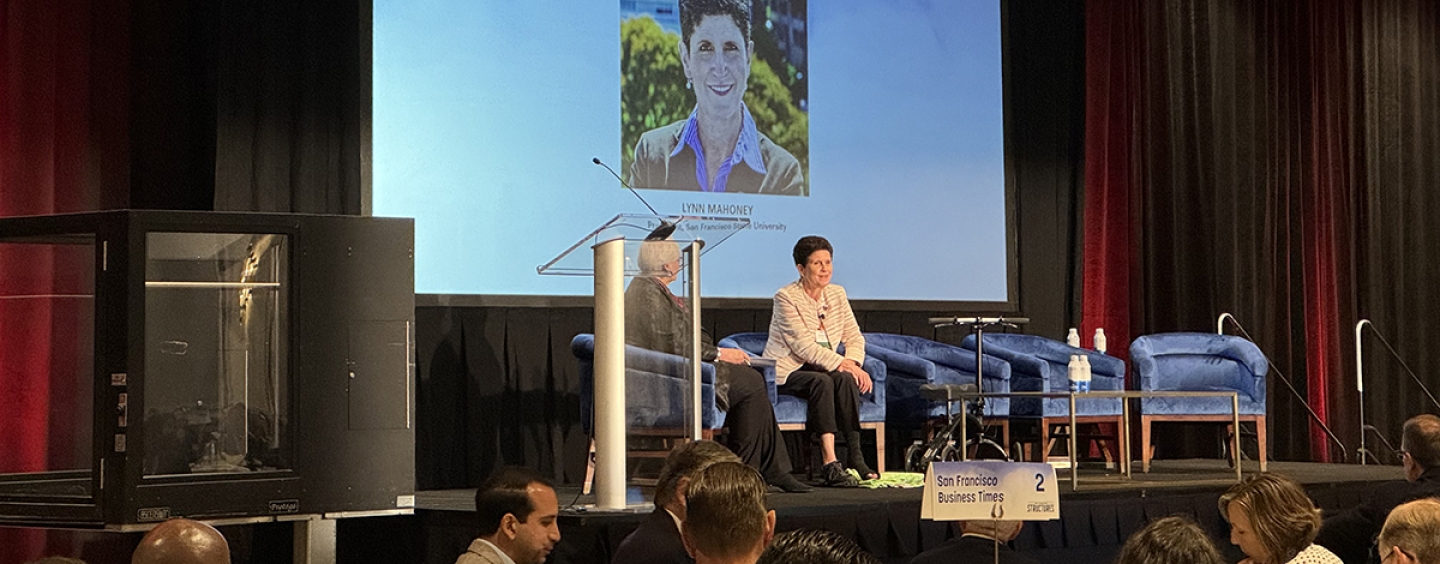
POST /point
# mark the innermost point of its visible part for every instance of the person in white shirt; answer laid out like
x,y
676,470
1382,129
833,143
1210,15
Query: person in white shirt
x,y
811,325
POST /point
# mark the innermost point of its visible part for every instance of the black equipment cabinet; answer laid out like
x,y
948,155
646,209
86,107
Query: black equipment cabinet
x,y
205,365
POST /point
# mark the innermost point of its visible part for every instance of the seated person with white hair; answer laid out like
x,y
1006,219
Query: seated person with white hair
x,y
655,319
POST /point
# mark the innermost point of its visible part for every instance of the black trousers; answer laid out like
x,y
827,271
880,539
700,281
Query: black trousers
x,y
833,398
754,434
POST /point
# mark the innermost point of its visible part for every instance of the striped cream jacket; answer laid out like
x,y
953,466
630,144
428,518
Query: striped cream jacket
x,y
793,324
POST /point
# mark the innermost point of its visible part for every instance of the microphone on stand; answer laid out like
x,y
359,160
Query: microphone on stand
x,y
660,233
1344,454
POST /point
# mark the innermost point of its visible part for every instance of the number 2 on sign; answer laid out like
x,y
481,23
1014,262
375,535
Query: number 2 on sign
x,y
1039,482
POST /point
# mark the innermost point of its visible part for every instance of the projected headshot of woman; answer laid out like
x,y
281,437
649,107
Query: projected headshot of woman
x,y
717,148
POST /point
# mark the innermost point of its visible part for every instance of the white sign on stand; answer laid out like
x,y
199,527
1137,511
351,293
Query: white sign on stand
x,y
989,489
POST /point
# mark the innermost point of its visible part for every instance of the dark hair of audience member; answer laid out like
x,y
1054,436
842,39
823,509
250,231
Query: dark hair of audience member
x,y
506,491
1170,540
725,515
1283,516
1421,438
685,460
815,546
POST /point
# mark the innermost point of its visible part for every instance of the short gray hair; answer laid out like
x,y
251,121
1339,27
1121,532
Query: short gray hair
x,y
1415,528
654,255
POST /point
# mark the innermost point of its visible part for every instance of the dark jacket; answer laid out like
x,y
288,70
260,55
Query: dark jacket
x,y
655,168
655,541
965,550
1351,533
655,321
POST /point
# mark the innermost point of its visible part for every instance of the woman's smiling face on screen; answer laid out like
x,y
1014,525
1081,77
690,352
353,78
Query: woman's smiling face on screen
x,y
718,64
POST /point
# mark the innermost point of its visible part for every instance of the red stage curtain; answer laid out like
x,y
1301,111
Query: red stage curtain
x,y
1222,174
57,146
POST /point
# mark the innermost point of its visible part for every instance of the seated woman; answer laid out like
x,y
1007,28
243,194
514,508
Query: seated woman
x,y
655,319
1273,521
811,321
1170,540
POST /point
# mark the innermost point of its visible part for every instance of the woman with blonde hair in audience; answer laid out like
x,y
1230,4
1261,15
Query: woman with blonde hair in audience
x,y
1170,540
1273,521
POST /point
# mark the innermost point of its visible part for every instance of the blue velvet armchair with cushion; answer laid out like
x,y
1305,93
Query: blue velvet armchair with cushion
x,y
1107,373
1199,362
655,388
790,411
916,361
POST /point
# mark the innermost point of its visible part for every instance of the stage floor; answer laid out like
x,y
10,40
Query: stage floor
x,y
1095,519
1164,476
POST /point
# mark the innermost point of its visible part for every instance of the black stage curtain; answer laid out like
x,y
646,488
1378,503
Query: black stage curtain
x,y
1281,157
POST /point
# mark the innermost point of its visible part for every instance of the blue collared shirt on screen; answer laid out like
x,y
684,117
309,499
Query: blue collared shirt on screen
x,y
747,151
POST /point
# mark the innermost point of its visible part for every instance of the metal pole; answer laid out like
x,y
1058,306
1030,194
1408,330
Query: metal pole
x,y
610,374
695,361
1235,437
1074,448
1360,386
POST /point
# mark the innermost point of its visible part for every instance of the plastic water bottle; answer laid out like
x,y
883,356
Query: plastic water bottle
x,y
1073,339
1084,374
1074,372
1100,340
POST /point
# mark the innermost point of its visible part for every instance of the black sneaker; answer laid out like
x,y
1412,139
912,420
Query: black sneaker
x,y
789,484
834,475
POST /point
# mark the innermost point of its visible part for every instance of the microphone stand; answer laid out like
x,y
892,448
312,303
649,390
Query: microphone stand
x,y
666,227
1220,327
1360,384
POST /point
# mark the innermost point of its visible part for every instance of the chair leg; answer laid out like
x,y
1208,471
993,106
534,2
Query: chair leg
x,y
1146,451
1260,440
880,447
589,469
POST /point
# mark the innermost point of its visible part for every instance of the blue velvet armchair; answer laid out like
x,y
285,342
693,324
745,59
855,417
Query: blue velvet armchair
x,y
655,389
1107,373
1199,362
915,361
790,411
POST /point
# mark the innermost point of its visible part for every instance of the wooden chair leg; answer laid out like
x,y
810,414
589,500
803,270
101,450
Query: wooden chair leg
x,y
1146,450
1260,441
879,448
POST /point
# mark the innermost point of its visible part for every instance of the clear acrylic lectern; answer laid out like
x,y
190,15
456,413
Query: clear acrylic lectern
x,y
634,273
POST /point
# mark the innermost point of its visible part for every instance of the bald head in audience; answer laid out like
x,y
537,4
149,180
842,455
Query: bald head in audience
x,y
182,541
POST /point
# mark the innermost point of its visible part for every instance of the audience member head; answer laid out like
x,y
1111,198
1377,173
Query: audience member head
x,y
518,511
726,519
1005,531
815,546
1411,533
1170,540
182,541
1420,445
660,259
681,466
1271,518
807,246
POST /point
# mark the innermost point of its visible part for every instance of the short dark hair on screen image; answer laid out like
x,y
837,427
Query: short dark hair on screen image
x,y
1421,438
1170,540
725,510
815,546
692,11
1283,516
807,246
1415,528
506,491
687,460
